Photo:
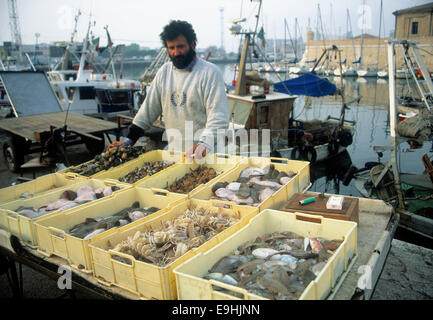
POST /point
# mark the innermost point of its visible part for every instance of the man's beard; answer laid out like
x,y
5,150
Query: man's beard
x,y
182,61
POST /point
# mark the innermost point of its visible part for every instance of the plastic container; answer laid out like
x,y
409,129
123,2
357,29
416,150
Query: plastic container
x,y
148,280
191,285
41,185
23,227
53,238
69,169
151,156
223,164
296,184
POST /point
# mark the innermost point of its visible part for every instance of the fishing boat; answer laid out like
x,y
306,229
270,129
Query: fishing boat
x,y
271,113
411,193
102,95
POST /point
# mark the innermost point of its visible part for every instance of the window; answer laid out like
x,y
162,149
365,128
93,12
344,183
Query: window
x,y
414,28
264,114
87,93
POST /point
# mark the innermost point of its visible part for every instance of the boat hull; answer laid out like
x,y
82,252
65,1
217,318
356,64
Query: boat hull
x,y
367,73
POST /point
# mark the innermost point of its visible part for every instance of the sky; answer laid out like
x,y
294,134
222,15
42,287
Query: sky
x,y
141,21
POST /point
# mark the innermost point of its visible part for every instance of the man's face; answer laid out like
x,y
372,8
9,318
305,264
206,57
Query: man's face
x,y
180,52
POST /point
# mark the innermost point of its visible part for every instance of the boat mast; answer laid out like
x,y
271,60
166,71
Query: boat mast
x,y
83,54
380,29
393,124
362,33
240,88
65,59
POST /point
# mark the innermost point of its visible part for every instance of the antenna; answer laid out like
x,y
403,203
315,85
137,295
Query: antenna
x,y
74,32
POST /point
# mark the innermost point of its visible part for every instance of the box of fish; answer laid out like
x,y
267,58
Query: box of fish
x,y
149,164
189,178
277,255
41,185
108,159
141,259
18,217
260,182
67,234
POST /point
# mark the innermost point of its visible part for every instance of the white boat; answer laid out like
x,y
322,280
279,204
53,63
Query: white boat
x,y
95,94
300,69
366,72
382,74
347,72
101,95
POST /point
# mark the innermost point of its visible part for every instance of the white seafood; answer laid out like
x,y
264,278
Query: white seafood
x,y
57,204
107,191
134,216
265,193
222,277
224,193
94,233
84,197
263,253
306,243
238,200
285,180
83,190
233,186
123,222
252,171
286,258
69,205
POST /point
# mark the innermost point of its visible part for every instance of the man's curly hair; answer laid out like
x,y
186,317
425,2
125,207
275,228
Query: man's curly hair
x,y
178,27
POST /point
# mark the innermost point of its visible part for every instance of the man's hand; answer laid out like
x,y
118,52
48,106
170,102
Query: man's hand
x,y
115,144
126,142
197,151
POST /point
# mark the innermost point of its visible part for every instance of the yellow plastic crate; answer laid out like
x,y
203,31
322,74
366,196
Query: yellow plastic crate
x,y
41,185
151,156
23,227
51,231
223,164
296,184
191,285
147,280
69,169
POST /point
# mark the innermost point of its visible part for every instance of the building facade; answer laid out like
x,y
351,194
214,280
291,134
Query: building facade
x,y
414,23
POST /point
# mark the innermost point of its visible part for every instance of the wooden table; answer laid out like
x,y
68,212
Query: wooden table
x,y
30,127
350,210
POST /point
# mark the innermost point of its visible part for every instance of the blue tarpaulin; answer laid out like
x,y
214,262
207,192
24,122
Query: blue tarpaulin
x,y
307,85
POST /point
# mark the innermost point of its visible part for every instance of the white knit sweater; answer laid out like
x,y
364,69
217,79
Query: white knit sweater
x,y
181,95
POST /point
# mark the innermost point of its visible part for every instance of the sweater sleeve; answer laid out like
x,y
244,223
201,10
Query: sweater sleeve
x,y
151,108
217,113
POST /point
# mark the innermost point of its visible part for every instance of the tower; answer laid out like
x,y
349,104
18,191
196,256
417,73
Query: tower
x,y
14,24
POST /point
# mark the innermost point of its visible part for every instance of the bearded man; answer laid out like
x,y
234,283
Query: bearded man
x,y
187,92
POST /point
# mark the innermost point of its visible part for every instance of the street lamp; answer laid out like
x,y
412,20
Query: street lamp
x,y
37,35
